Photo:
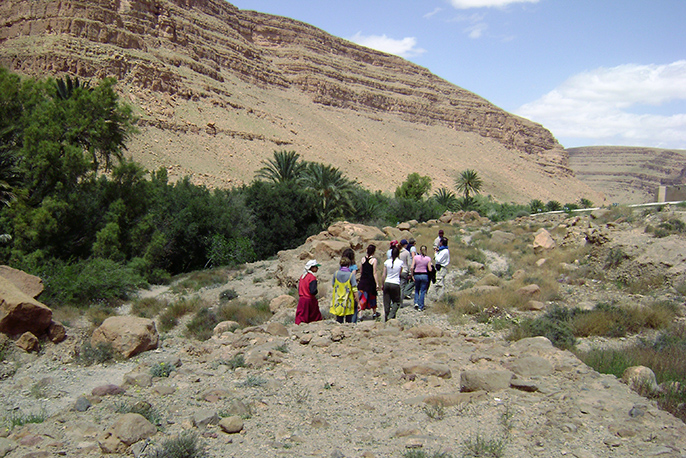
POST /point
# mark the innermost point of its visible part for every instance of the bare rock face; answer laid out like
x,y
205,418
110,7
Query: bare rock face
x,y
20,313
28,284
128,335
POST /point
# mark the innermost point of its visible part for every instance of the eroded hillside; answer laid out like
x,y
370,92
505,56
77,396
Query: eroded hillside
x,y
219,89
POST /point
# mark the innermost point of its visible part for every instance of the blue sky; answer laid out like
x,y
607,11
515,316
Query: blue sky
x,y
594,72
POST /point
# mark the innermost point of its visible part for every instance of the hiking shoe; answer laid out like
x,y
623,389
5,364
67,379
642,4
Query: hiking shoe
x,y
376,315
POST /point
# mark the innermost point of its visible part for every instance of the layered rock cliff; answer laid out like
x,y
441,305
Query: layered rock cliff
x,y
628,174
238,78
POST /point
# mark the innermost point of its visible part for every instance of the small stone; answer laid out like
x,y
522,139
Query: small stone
x,y
319,422
82,404
414,443
231,425
637,411
107,390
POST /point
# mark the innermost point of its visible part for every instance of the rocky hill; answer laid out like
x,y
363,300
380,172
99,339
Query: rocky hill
x,y
628,174
218,90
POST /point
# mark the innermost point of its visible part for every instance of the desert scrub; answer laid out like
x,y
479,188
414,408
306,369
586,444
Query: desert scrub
x,y
18,418
228,295
143,408
665,355
424,454
200,279
615,257
479,447
148,307
169,318
554,325
473,303
643,284
161,369
562,325
245,314
185,445
201,326
236,362
102,352
253,381
434,411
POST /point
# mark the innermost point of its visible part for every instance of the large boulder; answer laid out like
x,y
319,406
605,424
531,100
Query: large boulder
x,y
486,380
20,313
543,241
26,283
128,335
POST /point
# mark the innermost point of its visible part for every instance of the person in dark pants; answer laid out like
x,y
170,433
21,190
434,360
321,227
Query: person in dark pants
x,y
391,284
421,268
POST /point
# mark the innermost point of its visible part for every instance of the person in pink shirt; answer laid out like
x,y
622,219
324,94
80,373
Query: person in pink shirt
x,y
421,266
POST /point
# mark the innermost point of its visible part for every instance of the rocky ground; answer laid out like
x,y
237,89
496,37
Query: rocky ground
x,y
420,383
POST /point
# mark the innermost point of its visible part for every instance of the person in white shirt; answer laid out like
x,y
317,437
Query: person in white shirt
x,y
441,261
390,278
437,241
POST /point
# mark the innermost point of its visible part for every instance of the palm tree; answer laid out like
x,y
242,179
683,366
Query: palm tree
x,y
468,183
283,168
333,191
445,198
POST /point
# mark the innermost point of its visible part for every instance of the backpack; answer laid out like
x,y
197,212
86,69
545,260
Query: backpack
x,y
343,301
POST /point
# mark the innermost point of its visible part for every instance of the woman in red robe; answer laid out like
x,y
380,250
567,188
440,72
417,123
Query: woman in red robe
x,y
308,305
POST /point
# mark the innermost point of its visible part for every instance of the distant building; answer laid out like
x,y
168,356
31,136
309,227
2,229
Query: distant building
x,y
671,193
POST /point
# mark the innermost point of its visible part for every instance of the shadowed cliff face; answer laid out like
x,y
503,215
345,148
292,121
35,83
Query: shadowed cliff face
x,y
187,64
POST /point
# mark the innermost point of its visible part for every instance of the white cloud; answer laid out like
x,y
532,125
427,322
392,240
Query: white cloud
x,y
405,47
607,106
467,4
476,30
433,13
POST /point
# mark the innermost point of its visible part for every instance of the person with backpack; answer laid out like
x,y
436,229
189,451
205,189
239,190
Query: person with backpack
x,y
391,284
344,300
308,305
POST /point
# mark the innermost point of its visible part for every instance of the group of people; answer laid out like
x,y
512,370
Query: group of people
x,y
406,272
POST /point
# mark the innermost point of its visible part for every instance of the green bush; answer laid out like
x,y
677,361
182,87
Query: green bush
x,y
93,280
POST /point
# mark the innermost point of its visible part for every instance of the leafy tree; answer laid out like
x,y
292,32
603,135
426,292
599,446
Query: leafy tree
x,y
286,216
414,187
284,167
468,183
333,191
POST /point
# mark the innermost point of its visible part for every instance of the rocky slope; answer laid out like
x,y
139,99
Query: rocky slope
x,y
374,389
232,86
628,174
